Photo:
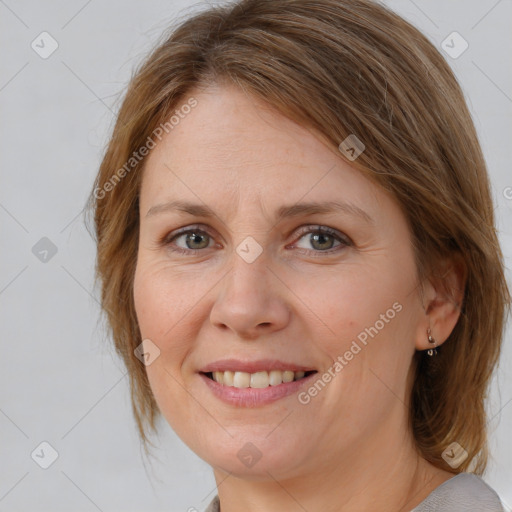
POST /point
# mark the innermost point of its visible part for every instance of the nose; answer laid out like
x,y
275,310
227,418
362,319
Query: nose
x,y
251,300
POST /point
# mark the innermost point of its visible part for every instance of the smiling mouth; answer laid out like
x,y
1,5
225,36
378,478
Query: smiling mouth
x,y
258,380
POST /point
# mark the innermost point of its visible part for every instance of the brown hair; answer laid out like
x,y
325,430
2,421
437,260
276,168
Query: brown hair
x,y
340,67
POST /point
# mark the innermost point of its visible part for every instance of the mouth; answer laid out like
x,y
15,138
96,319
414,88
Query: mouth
x,y
256,380
242,383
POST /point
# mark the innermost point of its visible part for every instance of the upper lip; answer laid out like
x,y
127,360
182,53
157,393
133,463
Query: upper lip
x,y
237,365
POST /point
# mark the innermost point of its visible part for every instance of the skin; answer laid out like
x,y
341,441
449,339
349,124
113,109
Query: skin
x,y
349,448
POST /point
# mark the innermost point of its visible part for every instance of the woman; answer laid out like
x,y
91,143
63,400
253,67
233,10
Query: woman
x,y
295,240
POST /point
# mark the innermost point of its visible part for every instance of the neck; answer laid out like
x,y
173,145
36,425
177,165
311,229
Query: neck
x,y
384,473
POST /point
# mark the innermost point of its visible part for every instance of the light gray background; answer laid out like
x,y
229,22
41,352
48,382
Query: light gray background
x,y
60,381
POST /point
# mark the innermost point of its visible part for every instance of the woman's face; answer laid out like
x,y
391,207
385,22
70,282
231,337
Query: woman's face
x,y
256,292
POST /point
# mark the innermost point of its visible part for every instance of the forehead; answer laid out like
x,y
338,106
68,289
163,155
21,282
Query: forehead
x,y
232,127
234,147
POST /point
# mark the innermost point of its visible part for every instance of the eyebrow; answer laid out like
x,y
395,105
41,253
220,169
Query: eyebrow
x,y
286,211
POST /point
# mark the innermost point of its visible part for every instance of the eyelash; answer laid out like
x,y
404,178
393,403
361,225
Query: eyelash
x,y
168,239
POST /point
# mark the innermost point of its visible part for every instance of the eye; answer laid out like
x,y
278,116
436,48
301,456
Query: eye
x,y
322,239
193,240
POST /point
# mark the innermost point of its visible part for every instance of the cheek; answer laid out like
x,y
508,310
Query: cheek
x,y
170,311
163,307
369,316
163,299
350,303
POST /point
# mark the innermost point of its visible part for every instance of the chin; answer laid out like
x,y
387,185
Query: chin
x,y
254,461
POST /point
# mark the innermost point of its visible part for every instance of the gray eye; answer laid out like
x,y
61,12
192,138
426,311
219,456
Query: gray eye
x,y
318,240
194,239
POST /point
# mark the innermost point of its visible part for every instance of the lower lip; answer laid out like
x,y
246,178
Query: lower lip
x,y
254,397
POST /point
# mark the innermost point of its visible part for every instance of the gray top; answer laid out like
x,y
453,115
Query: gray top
x,y
464,492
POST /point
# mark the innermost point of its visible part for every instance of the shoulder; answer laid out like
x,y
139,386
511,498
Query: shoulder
x,y
461,493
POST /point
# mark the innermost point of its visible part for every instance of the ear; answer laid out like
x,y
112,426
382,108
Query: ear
x,y
442,300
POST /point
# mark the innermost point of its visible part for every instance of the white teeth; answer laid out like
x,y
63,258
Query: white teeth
x,y
275,377
227,378
288,376
256,380
259,380
242,380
